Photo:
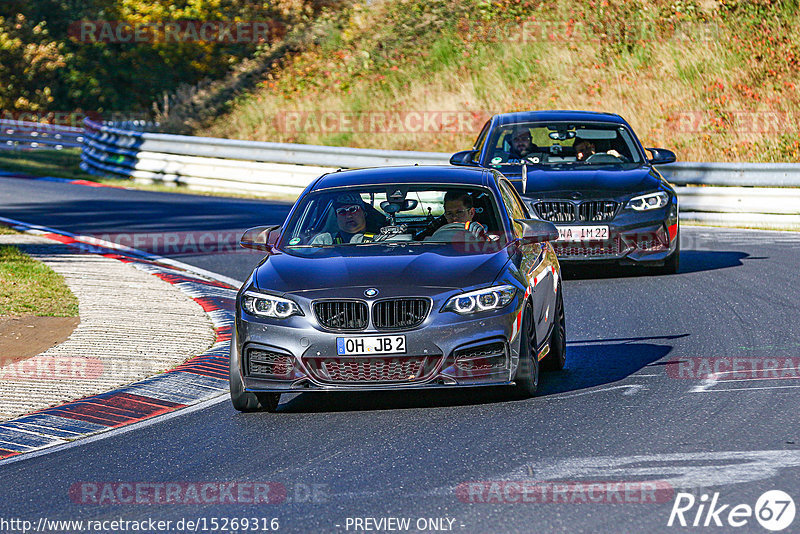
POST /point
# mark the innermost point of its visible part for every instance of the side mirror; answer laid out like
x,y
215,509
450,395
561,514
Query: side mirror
x,y
661,156
463,158
264,238
537,231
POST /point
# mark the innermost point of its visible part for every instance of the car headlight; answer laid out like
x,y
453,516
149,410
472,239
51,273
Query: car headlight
x,y
649,201
491,298
269,306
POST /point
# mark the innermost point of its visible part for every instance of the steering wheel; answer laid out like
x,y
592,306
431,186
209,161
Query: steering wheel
x,y
454,232
602,157
430,228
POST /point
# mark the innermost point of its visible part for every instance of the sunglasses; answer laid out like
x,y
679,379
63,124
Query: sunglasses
x,y
453,214
348,210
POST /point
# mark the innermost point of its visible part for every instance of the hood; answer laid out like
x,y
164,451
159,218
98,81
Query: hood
x,y
603,182
309,269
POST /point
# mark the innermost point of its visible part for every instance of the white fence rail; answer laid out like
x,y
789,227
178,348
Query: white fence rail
x,y
733,174
758,194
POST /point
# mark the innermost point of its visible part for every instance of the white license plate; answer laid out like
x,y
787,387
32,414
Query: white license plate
x,y
346,346
582,233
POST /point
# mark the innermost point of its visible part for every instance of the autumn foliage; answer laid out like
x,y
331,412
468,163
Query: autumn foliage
x,y
46,66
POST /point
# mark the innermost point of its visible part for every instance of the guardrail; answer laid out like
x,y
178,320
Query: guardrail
x,y
731,193
16,135
225,164
733,174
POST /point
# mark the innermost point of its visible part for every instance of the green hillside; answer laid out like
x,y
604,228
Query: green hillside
x,y
713,80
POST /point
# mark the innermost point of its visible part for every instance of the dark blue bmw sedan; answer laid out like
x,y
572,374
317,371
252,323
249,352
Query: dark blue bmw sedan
x,y
399,278
589,174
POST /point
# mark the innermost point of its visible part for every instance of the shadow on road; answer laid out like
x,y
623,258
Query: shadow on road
x,y
695,261
589,364
595,363
692,261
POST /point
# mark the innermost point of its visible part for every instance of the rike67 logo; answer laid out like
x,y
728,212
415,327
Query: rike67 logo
x,y
774,510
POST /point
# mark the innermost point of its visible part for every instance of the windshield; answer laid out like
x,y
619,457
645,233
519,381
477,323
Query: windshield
x,y
411,214
562,143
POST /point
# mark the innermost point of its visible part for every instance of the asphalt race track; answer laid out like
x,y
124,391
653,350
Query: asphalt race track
x,y
634,404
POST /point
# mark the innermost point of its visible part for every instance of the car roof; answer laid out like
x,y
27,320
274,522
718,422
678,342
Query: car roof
x,y
557,115
434,174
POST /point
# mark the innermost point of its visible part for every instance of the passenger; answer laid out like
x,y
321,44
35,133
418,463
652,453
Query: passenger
x,y
585,148
351,218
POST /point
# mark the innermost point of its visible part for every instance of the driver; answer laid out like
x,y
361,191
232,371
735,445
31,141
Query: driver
x,y
521,143
458,208
351,219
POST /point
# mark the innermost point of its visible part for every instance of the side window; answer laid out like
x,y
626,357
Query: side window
x,y
511,198
519,202
504,141
480,142
632,152
513,208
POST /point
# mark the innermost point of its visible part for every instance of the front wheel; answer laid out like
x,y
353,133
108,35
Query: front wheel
x,y
527,377
557,357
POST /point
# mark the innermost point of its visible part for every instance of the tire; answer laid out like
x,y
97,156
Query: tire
x,y
247,401
557,357
527,377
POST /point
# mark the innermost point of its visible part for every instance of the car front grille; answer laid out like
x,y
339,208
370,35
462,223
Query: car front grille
x,y
342,314
267,363
597,210
564,211
400,313
372,370
388,314
555,211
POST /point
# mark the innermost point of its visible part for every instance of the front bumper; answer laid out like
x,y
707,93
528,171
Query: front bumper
x,y
447,350
634,238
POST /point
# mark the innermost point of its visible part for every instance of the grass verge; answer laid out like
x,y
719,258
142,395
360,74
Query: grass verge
x,y
57,163
29,287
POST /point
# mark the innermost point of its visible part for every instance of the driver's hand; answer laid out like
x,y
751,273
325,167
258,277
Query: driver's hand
x,y
614,153
476,229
